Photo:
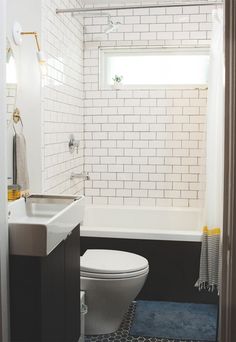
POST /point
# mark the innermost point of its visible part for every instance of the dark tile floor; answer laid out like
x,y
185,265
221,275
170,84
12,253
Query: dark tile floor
x,y
122,335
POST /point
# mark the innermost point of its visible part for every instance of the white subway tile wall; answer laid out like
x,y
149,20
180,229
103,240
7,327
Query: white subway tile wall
x,y
11,91
145,146
62,97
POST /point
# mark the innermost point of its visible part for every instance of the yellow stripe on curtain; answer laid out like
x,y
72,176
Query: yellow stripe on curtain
x,y
212,231
210,261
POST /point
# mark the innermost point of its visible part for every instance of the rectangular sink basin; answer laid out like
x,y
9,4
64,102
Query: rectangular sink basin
x,y
38,223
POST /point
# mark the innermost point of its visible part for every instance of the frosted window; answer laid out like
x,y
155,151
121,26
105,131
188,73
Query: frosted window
x,y
156,68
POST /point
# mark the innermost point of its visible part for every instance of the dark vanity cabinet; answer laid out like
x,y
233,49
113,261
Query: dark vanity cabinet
x,y
45,294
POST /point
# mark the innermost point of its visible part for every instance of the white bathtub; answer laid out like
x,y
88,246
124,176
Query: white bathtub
x,y
173,224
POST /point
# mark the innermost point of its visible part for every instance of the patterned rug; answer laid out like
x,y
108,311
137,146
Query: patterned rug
x,y
122,334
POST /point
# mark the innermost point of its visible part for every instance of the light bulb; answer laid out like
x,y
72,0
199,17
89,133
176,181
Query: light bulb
x,y
41,57
42,62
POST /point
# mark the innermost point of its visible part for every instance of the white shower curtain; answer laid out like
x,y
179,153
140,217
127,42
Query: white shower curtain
x,y
213,211
215,127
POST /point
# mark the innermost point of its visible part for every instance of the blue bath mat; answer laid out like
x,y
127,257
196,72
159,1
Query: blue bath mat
x,y
177,321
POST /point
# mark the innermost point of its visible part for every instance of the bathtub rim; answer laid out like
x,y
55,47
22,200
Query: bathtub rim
x,y
125,233
194,235
138,207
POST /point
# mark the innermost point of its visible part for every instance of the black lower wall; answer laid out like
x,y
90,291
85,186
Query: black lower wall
x,y
174,267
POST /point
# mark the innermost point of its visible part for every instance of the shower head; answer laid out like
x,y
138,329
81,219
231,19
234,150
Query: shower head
x,y
113,26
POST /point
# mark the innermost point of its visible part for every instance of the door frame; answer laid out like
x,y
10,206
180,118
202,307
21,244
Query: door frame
x,y
228,294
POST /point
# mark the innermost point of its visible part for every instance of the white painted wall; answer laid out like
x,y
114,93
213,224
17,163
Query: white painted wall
x,y
4,308
28,14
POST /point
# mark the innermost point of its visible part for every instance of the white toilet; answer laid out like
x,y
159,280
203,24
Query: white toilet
x,y
112,280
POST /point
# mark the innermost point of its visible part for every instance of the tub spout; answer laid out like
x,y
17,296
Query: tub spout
x,y
83,175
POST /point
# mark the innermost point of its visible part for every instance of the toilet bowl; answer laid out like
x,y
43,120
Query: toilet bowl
x,y
112,280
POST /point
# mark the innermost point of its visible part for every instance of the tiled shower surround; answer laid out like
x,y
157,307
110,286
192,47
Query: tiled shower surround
x,y
145,146
62,97
140,146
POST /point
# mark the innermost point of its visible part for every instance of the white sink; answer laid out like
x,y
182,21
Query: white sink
x,y
39,223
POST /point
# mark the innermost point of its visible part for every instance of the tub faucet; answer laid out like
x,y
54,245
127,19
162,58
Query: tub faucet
x,y
83,175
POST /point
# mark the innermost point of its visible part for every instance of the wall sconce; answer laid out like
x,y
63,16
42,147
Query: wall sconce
x,y
17,37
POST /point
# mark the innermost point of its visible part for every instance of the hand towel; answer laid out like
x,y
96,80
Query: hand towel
x,y
210,260
21,162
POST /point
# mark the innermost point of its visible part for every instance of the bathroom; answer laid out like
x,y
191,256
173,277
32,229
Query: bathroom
x,y
120,107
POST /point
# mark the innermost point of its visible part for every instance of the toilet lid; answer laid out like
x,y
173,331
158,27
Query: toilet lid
x,y
110,261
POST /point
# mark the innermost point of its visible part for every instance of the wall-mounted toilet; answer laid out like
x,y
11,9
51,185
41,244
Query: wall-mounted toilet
x,y
112,279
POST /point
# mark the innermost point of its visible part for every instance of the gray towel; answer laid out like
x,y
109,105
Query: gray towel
x,y
22,176
14,161
210,260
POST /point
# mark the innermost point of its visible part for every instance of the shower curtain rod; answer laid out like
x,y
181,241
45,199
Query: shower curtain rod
x,y
98,9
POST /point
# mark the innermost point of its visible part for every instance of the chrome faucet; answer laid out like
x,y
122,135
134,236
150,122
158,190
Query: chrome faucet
x,y
83,175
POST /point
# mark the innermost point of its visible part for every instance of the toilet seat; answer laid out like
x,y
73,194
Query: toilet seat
x,y
114,275
111,264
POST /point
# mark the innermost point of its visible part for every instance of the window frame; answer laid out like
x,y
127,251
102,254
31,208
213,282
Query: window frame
x,y
174,50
